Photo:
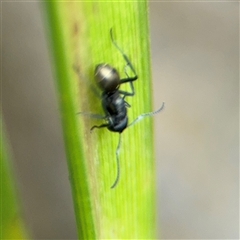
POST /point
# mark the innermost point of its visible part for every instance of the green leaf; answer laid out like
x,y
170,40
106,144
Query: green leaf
x,y
12,225
80,38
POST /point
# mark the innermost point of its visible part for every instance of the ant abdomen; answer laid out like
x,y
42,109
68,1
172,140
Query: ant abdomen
x,y
107,77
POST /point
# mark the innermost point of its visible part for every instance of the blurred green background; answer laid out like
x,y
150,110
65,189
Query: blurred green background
x,y
195,60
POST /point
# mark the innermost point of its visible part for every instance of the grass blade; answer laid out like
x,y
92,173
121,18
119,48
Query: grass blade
x,y
80,35
12,225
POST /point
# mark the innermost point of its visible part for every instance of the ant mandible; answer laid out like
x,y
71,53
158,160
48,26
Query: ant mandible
x,y
113,100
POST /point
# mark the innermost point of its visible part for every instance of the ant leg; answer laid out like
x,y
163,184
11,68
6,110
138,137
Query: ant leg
x,y
92,115
130,80
146,115
123,54
117,155
100,126
97,116
118,164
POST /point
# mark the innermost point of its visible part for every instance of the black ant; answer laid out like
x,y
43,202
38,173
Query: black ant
x,y
113,100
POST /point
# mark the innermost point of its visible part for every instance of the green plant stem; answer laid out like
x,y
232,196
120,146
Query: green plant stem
x,y
80,35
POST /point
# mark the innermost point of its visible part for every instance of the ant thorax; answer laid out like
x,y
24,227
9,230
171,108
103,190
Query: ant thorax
x,y
115,110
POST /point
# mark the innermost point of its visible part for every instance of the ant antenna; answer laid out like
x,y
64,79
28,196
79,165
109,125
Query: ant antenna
x,y
123,54
118,164
149,114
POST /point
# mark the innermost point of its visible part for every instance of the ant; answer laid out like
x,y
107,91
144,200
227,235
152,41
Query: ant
x,y
113,100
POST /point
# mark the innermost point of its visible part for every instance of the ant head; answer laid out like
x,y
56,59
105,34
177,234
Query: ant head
x,y
107,77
